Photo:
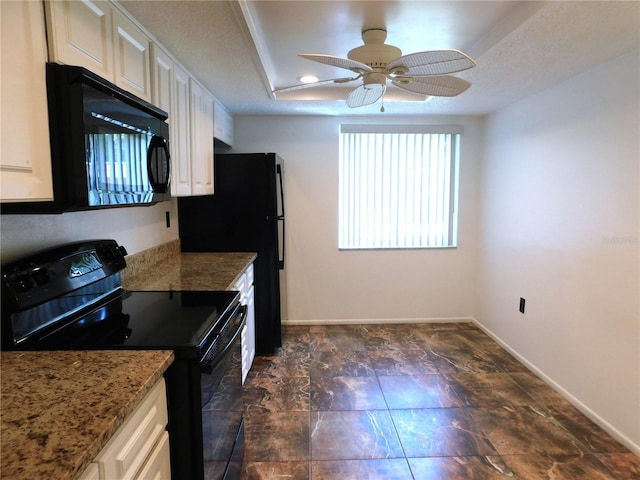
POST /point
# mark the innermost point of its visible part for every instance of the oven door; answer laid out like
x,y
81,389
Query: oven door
x,y
222,406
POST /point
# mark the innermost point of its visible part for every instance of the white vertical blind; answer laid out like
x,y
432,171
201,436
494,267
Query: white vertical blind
x,y
398,188
108,172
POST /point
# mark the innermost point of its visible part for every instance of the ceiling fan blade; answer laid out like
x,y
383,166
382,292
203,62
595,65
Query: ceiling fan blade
x,y
433,62
365,95
438,86
315,84
334,61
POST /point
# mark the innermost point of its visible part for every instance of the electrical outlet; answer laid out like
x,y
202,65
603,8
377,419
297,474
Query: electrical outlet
x,y
521,305
168,219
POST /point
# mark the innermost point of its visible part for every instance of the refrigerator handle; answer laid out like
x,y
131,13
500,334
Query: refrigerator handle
x,y
280,215
281,259
279,173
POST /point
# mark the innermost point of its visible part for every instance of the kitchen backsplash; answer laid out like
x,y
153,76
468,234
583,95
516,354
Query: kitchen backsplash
x,y
141,261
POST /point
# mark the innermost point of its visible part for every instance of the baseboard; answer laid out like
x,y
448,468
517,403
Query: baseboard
x,y
378,321
597,419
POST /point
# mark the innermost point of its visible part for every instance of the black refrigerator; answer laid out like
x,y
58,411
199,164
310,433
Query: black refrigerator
x,y
245,214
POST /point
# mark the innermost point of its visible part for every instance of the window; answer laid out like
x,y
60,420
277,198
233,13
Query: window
x,y
398,186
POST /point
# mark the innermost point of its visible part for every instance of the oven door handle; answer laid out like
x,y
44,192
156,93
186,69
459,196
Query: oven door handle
x,y
207,367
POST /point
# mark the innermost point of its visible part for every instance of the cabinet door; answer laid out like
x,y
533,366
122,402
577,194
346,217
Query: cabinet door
x,y
201,140
131,57
133,444
158,466
180,132
162,93
222,124
80,33
245,286
161,79
251,326
92,472
25,162
245,354
204,185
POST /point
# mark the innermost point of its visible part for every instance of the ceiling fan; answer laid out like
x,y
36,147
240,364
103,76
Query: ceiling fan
x,y
426,73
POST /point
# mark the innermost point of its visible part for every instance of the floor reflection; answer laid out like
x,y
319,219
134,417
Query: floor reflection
x,y
420,401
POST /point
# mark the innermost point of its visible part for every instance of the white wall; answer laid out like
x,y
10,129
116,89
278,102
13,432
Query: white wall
x,y
325,284
560,227
137,228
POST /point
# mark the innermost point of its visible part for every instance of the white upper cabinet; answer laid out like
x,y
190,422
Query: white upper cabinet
x,y
101,37
171,93
201,140
161,79
131,59
25,166
81,33
190,109
98,36
181,133
222,124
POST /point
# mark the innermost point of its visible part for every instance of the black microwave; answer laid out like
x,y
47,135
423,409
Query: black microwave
x,y
109,148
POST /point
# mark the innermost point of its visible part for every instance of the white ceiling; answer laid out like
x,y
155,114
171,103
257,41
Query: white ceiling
x,y
242,50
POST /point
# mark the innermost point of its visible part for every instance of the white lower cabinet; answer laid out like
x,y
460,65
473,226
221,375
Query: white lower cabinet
x,y
245,286
91,473
139,450
158,466
251,326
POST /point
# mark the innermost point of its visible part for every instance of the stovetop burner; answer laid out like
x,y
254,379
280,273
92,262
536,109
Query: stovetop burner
x,y
179,321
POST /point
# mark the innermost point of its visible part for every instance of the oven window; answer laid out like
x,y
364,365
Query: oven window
x,y
222,409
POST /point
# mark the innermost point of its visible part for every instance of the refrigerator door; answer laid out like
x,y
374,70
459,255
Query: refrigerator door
x,y
246,214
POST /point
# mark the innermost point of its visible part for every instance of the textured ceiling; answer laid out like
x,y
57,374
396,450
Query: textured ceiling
x,y
242,50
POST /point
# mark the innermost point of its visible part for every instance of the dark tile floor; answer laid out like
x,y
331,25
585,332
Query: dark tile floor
x,y
424,402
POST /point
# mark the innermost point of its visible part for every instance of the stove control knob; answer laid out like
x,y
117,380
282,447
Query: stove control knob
x,y
22,283
41,277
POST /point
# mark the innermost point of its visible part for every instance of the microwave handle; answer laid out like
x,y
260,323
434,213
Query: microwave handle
x,y
159,164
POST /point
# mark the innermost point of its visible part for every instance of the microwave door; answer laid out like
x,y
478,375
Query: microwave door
x,y
126,162
115,168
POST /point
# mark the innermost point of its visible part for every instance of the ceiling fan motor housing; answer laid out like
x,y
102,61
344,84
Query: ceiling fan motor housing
x,y
375,52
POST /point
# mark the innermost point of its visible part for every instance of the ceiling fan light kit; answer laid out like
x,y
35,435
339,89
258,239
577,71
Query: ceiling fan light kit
x,y
426,73
308,79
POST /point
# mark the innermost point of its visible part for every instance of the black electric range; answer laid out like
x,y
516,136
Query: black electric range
x,y
71,298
